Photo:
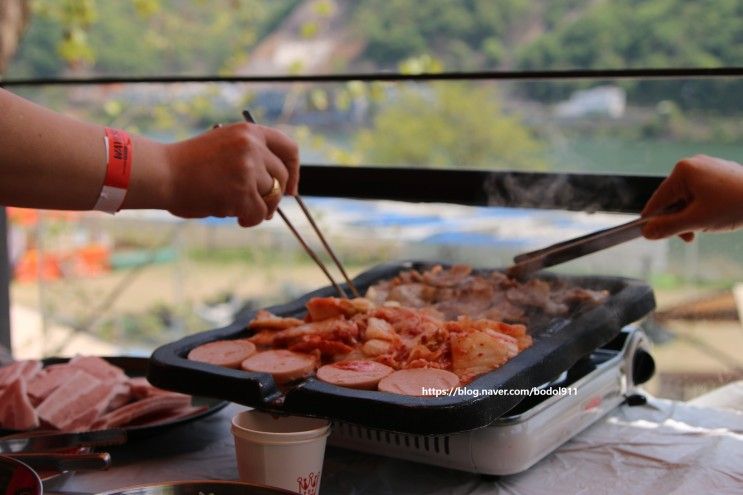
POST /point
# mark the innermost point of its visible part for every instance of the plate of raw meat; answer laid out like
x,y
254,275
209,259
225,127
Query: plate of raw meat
x,y
87,393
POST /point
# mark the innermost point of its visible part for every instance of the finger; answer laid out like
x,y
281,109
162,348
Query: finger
x,y
275,167
271,197
672,190
287,151
253,210
671,224
264,181
272,203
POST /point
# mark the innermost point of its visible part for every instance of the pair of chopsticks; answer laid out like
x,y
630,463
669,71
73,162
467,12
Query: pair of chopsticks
x,y
307,248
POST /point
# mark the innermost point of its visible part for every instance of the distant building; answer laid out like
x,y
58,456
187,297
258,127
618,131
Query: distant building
x,y
608,101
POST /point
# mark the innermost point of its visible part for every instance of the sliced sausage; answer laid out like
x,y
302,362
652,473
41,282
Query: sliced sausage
x,y
419,381
283,365
227,353
363,374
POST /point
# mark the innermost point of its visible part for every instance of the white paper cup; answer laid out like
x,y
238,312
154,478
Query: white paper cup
x,y
281,451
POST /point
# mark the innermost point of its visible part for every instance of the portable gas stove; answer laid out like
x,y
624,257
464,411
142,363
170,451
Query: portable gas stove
x,y
538,425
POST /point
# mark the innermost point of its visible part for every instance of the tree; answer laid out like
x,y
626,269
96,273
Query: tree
x,y
449,124
639,34
14,16
143,37
467,34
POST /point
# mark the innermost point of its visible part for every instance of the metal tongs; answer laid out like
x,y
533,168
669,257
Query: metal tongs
x,y
561,252
307,248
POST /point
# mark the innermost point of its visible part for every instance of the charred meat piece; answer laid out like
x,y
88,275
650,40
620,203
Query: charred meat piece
x,y
494,295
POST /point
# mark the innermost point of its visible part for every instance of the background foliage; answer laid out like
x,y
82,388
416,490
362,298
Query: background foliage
x,y
155,37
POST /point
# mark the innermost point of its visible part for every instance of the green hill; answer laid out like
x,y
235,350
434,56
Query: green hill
x,y
566,34
154,37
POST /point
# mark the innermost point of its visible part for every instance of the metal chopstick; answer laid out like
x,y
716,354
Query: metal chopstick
x,y
311,253
327,246
249,117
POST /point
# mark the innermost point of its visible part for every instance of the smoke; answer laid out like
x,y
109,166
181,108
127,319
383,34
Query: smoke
x,y
587,193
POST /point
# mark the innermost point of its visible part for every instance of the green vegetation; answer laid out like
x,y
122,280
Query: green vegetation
x,y
247,255
149,37
442,125
467,34
355,257
411,124
637,33
577,34
460,124
658,34
144,37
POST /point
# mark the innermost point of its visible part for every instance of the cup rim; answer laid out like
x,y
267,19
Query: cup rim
x,y
275,437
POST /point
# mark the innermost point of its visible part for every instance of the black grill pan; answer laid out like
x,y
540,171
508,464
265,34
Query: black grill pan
x,y
558,344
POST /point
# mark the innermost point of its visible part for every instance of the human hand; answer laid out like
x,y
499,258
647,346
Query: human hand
x,y
229,171
711,192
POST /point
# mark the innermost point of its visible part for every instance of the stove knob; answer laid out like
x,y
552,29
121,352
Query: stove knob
x,y
643,367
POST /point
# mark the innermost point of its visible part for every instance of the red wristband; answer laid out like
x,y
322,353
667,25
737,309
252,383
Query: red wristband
x,y
118,170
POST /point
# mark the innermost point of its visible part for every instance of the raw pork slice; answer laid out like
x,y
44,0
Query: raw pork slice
x,y
16,411
47,380
141,388
168,416
99,368
122,395
76,404
145,407
26,369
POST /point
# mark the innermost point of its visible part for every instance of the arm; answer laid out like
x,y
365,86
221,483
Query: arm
x,y
48,160
711,190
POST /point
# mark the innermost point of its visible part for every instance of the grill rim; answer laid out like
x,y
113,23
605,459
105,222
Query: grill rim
x,y
550,355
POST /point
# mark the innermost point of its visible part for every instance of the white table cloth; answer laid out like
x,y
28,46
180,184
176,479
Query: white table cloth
x,y
664,447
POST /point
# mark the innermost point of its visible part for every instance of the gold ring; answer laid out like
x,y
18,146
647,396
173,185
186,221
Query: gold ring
x,y
275,189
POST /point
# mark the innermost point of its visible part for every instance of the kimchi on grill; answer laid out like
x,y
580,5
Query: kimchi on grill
x,y
454,321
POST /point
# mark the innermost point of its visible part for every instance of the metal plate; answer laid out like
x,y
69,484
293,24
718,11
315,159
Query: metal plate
x,y
558,344
199,488
16,478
